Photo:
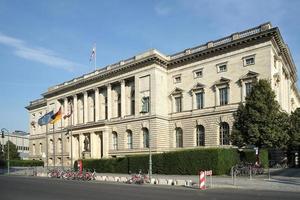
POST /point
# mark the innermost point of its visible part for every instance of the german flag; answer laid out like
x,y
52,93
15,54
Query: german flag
x,y
57,116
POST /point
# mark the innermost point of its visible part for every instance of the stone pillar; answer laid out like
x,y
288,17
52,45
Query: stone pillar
x,y
105,143
85,107
94,145
97,113
243,91
109,106
217,103
123,106
81,145
65,112
137,96
75,115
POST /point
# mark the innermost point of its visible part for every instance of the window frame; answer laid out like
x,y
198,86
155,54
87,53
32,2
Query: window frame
x,y
196,71
198,136
176,77
226,102
179,137
248,57
220,65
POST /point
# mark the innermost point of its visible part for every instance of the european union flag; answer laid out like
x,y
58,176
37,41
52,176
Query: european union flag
x,y
46,118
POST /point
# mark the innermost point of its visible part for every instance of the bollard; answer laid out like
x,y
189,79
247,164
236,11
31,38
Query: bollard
x,y
250,172
202,181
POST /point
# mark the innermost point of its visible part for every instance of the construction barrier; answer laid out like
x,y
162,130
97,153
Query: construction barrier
x,y
202,179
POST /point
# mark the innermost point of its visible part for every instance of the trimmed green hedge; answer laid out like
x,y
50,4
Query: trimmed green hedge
x,y
23,163
178,162
248,155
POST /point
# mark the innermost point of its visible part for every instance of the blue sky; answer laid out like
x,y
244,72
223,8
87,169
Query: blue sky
x,y
43,43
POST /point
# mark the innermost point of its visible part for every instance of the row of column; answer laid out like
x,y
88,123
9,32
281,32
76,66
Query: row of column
x,y
99,145
105,114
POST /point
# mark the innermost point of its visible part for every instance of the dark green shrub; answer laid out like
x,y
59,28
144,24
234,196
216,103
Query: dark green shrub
x,y
25,163
177,162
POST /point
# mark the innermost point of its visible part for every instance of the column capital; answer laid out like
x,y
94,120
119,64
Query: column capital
x,y
122,81
108,85
96,89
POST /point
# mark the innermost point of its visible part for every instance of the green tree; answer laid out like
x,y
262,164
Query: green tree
x,y
1,152
13,151
294,142
260,122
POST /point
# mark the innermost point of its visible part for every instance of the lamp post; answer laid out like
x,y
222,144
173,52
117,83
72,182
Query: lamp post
x,y
2,131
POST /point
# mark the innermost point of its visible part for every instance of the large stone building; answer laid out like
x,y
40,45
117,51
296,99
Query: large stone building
x,y
185,100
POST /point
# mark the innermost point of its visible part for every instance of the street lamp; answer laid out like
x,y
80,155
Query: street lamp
x,y
2,131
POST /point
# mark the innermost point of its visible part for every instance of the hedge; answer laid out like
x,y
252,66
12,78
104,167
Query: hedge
x,y
22,163
178,162
249,156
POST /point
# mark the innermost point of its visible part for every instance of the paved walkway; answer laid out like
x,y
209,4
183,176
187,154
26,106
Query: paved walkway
x,y
276,181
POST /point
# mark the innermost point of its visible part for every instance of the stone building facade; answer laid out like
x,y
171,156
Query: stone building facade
x,y
185,100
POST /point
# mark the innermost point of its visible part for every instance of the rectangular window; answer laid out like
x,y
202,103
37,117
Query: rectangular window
x,y
178,104
248,88
132,102
198,73
145,105
199,100
222,67
223,96
249,60
106,108
177,79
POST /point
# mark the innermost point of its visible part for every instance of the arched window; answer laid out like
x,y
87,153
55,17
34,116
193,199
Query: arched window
x,y
145,138
51,146
224,133
200,135
114,140
59,145
179,138
33,149
129,139
41,148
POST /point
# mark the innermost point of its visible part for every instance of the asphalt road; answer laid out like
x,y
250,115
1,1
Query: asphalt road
x,y
33,188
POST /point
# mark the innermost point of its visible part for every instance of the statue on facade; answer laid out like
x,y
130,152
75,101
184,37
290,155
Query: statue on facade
x,y
86,143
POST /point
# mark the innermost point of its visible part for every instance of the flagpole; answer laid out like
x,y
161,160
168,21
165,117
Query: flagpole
x,y
62,145
95,56
53,147
47,165
71,133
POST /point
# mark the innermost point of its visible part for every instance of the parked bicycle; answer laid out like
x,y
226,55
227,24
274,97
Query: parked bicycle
x,y
138,178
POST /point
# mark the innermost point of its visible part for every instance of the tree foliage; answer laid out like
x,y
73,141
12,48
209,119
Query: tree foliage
x,y
13,151
260,122
294,133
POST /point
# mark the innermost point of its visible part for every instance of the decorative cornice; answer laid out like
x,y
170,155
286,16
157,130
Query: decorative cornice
x,y
259,34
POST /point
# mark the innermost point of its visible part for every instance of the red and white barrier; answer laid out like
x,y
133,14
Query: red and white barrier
x,y
202,179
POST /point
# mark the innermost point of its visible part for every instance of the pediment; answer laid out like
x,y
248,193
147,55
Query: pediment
x,y
222,80
249,75
176,91
198,86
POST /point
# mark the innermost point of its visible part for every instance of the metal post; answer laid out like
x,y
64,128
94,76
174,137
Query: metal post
x,y
8,154
250,172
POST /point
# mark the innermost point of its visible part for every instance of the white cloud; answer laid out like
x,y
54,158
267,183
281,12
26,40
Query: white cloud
x,y
37,54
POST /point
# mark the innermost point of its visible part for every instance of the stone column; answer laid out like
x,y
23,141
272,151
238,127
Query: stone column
x,y
81,145
137,96
109,108
123,106
94,145
243,91
65,112
97,112
105,143
75,115
217,103
85,107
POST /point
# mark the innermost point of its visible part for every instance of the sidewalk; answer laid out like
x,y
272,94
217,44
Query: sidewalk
x,y
278,183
